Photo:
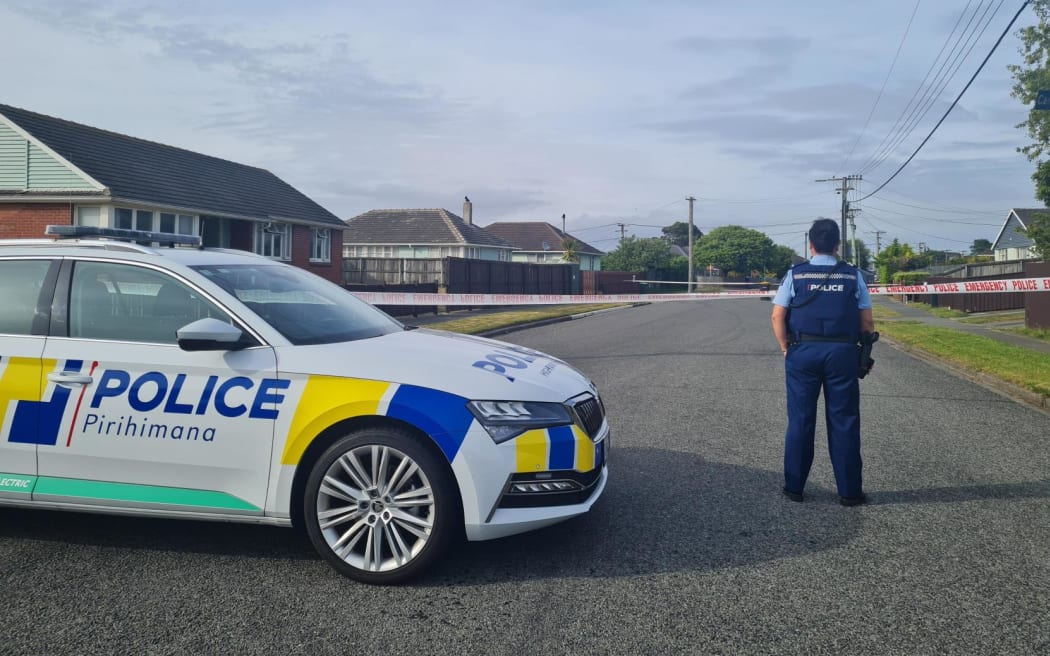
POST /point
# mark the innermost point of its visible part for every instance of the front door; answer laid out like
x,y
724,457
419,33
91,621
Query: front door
x,y
152,426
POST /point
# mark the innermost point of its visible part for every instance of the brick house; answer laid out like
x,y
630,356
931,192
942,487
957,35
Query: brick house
x,y
54,171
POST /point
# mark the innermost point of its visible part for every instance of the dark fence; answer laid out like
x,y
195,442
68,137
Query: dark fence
x,y
465,276
610,282
988,302
1037,304
392,271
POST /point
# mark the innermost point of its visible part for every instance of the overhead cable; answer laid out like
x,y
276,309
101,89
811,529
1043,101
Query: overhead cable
x,y
883,89
956,101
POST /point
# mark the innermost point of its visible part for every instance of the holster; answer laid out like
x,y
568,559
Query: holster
x,y
864,359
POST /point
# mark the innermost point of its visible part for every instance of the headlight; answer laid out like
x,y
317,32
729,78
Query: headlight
x,y
505,420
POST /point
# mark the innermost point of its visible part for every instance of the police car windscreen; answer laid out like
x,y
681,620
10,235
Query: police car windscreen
x,y
301,306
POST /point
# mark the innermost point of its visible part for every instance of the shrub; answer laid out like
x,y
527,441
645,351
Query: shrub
x,y
910,277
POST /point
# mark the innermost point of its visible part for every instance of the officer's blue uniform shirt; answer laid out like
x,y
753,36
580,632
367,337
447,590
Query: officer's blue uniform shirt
x,y
787,287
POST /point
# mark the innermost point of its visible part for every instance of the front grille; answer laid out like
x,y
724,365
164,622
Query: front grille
x,y
591,415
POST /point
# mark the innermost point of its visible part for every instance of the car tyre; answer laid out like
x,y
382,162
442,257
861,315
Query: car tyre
x,y
380,505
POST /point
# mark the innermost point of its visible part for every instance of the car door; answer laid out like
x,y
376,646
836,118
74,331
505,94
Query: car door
x,y
149,425
26,414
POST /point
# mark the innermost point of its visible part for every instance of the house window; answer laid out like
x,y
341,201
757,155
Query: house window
x,y
473,252
320,245
374,251
89,216
181,224
273,240
129,219
124,218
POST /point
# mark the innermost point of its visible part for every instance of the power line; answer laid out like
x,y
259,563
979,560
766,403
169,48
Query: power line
x,y
929,218
892,134
883,89
941,83
918,232
954,102
946,209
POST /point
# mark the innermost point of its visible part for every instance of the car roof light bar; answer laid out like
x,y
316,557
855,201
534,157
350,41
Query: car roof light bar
x,y
121,234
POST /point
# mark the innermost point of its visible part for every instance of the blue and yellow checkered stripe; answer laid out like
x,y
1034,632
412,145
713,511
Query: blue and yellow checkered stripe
x,y
554,449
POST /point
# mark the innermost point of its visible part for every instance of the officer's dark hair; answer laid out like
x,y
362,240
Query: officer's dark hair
x,y
824,236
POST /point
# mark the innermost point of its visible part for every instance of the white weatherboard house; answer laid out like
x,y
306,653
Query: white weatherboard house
x,y
1011,244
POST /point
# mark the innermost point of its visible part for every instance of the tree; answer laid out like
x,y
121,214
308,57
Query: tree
x,y
678,233
780,260
572,250
1029,80
980,247
734,248
895,257
1039,231
638,255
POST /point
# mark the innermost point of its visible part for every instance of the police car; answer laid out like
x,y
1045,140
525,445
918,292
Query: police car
x,y
215,384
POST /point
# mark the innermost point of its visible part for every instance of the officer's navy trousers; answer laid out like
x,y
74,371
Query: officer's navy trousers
x,y
831,366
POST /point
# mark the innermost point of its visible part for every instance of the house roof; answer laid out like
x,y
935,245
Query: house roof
x,y
532,235
417,226
1021,217
149,172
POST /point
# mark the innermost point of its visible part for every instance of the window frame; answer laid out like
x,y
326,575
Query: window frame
x,y
262,240
41,320
321,245
62,289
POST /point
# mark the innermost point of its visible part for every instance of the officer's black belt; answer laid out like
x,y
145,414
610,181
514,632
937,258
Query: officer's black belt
x,y
822,338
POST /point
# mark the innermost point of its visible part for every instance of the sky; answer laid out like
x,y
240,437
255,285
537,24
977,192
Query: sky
x,y
609,112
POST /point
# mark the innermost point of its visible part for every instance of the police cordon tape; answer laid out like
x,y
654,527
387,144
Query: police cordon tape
x,y
478,300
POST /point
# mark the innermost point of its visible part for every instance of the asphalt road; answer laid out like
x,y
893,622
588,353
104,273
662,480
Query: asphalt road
x,y
691,550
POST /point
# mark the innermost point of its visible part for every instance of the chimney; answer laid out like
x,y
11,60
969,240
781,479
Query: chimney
x,y
468,210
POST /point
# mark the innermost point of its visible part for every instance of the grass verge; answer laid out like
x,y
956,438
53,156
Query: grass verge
x,y
1037,333
943,313
996,318
484,322
881,312
1019,366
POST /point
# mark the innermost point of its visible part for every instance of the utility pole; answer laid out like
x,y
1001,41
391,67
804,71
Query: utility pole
x,y
563,223
805,245
689,286
844,210
878,241
853,230
623,227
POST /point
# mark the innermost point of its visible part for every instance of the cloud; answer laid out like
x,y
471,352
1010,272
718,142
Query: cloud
x,y
490,203
766,46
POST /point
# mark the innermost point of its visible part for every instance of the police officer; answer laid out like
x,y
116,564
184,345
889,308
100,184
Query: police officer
x,y
819,313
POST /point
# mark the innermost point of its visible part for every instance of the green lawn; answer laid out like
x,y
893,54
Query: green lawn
x,y
996,318
1037,333
1019,366
473,325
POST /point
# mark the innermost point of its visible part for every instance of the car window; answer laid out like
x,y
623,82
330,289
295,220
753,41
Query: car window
x,y
20,285
130,303
304,308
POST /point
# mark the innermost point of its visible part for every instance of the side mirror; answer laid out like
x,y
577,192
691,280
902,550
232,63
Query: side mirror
x,y
210,334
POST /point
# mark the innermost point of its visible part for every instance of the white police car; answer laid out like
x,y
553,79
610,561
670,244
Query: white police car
x,y
217,384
